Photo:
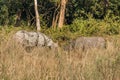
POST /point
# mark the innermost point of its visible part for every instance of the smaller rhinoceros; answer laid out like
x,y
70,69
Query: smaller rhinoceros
x,y
85,43
32,39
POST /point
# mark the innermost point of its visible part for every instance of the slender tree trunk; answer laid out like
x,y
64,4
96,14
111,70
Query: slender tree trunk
x,y
62,13
54,21
37,16
55,17
28,17
18,22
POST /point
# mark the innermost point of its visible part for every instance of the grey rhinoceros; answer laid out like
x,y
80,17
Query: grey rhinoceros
x,y
31,39
85,43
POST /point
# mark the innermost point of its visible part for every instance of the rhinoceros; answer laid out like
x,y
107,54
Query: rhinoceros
x,y
32,39
85,43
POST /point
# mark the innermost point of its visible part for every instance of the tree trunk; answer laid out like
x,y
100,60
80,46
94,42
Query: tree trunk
x,y
62,13
55,17
18,19
54,21
37,16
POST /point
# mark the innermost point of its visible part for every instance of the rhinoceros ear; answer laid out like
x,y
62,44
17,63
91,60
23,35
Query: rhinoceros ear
x,y
55,45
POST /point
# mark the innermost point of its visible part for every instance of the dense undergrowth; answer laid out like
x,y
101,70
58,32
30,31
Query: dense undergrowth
x,y
80,27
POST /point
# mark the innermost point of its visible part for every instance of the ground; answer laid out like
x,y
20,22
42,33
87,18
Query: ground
x,y
45,64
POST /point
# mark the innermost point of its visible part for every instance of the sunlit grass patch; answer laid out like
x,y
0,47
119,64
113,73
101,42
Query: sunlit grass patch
x,y
45,64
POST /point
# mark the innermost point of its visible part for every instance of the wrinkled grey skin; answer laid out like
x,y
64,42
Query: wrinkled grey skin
x,y
85,43
32,39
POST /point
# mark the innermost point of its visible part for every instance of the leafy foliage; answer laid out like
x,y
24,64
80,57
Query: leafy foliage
x,y
83,17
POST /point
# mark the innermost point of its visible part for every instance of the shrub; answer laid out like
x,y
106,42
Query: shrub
x,y
95,27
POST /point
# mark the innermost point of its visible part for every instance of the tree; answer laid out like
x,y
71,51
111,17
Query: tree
x,y
54,12
55,15
62,13
37,16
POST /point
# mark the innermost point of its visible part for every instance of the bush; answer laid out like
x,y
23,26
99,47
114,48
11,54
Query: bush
x,y
95,27
4,15
78,25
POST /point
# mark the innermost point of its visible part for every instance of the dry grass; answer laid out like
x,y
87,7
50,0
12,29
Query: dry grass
x,y
43,64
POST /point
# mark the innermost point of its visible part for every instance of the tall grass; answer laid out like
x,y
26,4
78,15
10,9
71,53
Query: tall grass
x,y
45,64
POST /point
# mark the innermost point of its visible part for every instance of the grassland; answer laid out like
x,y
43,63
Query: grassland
x,y
45,64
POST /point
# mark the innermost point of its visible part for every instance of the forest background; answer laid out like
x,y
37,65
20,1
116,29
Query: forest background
x,y
60,18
